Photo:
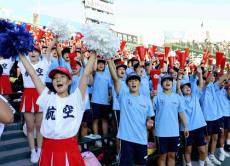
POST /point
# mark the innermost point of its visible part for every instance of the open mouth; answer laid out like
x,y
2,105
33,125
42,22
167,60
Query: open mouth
x,y
122,73
133,86
59,85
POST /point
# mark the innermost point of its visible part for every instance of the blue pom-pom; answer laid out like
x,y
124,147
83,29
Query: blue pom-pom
x,y
15,41
5,26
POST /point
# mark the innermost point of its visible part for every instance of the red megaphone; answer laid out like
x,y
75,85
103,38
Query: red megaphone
x,y
154,75
182,60
141,51
122,45
219,56
228,66
73,63
186,52
210,60
171,61
223,61
167,49
161,58
205,56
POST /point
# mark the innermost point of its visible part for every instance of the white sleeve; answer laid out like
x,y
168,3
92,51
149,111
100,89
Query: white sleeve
x,y
42,100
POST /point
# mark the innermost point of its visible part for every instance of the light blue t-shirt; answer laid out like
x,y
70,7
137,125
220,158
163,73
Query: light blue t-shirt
x,y
144,86
193,112
123,86
101,87
208,102
222,101
133,115
65,64
166,109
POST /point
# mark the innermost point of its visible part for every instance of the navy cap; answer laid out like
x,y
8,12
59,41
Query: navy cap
x,y
133,76
183,83
165,77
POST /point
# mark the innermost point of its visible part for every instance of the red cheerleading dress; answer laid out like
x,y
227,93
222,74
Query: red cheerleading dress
x,y
60,152
28,101
5,86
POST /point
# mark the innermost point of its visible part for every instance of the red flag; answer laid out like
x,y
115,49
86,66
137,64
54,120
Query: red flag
x,y
154,75
167,49
141,51
177,54
219,56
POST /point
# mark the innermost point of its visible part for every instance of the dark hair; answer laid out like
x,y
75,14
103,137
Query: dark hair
x,y
65,50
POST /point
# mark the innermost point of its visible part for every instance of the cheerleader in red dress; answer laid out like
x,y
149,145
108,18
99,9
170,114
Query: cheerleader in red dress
x,y
62,115
32,112
5,86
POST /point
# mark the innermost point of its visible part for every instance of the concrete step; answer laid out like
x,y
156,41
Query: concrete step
x,y
13,126
25,162
11,134
14,155
13,144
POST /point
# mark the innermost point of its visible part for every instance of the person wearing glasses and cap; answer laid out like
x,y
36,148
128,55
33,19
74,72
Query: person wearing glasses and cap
x,y
135,117
168,110
63,114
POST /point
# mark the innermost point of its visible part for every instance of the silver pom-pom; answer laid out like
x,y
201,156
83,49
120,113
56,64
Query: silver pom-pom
x,y
61,28
101,38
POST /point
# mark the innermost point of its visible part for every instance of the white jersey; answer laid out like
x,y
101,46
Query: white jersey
x,y
41,68
6,65
61,116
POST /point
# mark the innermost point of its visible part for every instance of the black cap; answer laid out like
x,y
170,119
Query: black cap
x,y
165,77
133,76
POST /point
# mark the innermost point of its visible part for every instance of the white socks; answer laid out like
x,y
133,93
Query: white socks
x,y
189,164
201,163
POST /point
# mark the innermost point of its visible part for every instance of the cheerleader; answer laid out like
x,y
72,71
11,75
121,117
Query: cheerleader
x,y
5,86
62,114
32,113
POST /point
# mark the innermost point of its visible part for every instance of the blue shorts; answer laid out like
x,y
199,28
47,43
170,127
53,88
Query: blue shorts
x,y
213,127
167,144
87,116
132,153
196,136
226,122
100,111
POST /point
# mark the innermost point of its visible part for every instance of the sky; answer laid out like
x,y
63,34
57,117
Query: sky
x,y
150,19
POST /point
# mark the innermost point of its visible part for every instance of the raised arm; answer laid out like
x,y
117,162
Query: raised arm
x,y
114,76
51,45
200,76
6,113
179,77
39,85
87,72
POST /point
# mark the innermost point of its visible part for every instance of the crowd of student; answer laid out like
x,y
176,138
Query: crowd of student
x,y
66,88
